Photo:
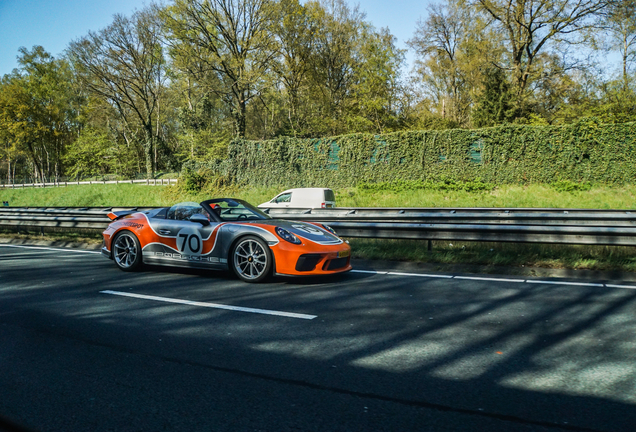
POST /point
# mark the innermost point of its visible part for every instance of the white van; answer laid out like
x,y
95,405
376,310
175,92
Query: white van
x,y
302,198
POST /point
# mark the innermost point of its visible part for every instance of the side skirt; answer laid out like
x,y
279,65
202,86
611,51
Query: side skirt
x,y
184,263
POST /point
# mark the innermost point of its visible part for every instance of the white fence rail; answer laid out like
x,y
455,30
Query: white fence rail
x,y
149,182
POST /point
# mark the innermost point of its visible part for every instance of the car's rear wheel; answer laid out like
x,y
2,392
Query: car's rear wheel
x,y
126,251
251,259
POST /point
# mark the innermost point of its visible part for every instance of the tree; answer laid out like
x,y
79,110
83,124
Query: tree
x,y
376,85
453,47
531,25
124,65
229,39
620,21
38,111
493,105
437,43
294,30
335,61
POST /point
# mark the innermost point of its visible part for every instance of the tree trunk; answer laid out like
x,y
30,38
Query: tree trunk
x,y
240,118
625,54
148,147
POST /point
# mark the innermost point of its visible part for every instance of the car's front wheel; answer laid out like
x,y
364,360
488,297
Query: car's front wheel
x,y
126,251
251,259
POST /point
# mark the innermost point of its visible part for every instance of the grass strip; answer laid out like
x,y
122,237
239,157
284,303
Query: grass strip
x,y
531,196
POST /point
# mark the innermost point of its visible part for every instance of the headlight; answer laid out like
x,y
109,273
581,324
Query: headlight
x,y
331,230
287,236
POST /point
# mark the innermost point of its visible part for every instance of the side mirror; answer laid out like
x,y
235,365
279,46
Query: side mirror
x,y
200,219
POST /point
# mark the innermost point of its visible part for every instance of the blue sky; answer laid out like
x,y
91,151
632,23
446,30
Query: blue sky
x,y
54,23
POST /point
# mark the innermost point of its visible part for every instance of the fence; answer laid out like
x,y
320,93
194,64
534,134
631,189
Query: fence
x,y
565,226
149,182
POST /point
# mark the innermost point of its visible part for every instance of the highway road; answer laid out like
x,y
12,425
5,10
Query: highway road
x,y
87,347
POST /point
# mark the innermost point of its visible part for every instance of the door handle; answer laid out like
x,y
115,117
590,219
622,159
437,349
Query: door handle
x,y
164,232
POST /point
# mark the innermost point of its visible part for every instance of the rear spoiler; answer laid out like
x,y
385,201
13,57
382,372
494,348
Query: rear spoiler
x,y
120,214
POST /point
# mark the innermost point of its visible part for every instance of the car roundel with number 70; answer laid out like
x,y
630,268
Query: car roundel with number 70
x,y
224,234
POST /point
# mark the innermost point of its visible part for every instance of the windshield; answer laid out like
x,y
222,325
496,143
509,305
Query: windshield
x,y
228,209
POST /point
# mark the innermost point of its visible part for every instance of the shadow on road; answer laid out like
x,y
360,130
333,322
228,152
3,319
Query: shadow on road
x,y
535,356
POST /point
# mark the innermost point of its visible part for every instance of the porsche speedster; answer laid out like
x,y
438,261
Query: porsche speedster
x,y
224,234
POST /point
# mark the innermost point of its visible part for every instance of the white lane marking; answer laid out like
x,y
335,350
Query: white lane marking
x,y
419,275
489,279
369,272
565,283
532,281
51,249
212,305
621,286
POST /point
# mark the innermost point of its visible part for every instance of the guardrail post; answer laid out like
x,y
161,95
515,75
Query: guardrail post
x,y
429,247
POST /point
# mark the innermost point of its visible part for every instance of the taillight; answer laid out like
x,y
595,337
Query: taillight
x,y
323,205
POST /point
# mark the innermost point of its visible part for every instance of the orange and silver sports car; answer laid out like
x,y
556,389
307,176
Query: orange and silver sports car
x,y
223,234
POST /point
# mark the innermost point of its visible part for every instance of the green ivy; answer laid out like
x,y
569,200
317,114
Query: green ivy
x,y
412,185
580,153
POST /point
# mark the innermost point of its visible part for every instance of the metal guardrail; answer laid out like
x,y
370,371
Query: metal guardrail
x,y
523,225
149,182
567,226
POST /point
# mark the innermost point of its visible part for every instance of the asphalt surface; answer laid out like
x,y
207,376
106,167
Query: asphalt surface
x,y
86,347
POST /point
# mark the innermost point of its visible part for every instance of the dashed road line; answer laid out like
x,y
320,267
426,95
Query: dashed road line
x,y
369,272
489,279
565,283
419,275
620,286
211,305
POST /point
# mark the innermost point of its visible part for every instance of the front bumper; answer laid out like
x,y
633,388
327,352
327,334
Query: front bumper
x,y
306,260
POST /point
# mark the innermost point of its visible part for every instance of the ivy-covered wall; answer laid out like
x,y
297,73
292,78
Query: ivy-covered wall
x,y
583,152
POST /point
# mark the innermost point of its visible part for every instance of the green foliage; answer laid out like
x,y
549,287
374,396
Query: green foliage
x,y
398,186
192,181
94,153
509,154
494,105
570,186
195,181
38,113
171,85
